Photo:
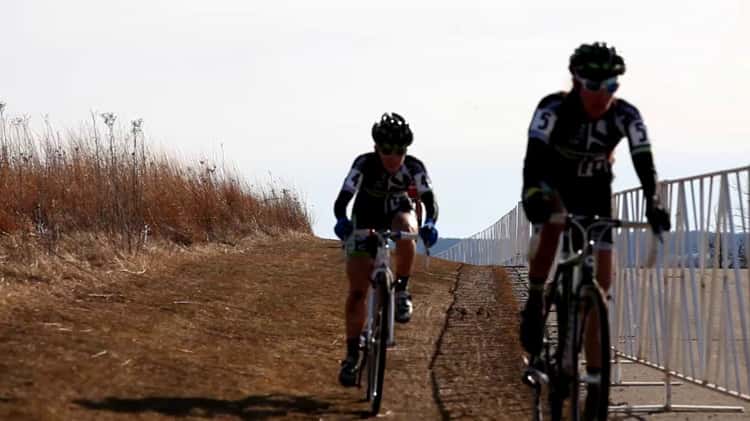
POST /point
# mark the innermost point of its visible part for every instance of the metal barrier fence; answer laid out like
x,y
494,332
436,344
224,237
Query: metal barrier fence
x,y
506,242
687,316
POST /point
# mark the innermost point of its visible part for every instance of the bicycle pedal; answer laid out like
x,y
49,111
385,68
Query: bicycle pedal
x,y
529,380
535,378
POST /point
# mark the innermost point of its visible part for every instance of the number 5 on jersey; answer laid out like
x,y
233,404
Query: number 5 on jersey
x,y
638,134
542,125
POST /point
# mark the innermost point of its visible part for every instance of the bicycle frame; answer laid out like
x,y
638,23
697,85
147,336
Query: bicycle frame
x,y
377,338
581,279
382,272
574,283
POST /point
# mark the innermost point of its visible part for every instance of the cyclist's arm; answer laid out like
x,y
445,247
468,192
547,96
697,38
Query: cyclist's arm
x,y
430,205
339,206
644,166
640,148
424,188
540,156
351,185
536,165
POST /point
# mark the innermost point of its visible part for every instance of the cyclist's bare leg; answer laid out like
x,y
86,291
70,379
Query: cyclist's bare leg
x,y
405,249
543,252
358,269
591,341
405,252
541,256
604,269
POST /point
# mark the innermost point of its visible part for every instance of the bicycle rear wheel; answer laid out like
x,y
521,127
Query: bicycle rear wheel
x,y
377,350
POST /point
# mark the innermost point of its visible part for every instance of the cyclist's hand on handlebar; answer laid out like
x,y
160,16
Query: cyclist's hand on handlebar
x,y
657,215
429,233
343,228
538,203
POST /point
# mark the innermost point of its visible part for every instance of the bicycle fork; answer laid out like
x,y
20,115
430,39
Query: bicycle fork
x,y
569,363
579,288
382,281
391,317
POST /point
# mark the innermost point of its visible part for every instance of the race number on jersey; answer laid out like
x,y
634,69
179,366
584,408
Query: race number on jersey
x,y
353,181
423,183
637,134
542,124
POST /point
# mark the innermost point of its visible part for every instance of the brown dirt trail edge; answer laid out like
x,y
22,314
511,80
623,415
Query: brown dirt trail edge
x,y
252,334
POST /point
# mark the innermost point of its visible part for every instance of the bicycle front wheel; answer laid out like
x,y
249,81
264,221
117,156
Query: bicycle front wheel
x,y
378,346
596,332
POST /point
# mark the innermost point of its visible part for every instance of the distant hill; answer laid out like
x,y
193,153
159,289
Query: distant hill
x,y
689,252
442,244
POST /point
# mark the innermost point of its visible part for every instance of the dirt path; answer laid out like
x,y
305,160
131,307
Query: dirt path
x,y
244,334
257,333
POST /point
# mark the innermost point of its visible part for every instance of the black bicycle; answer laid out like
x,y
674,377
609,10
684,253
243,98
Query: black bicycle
x,y
378,332
571,299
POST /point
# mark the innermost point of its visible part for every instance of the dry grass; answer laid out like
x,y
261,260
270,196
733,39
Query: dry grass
x,y
108,185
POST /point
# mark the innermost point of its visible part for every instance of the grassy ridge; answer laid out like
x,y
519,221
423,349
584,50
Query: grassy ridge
x,y
106,181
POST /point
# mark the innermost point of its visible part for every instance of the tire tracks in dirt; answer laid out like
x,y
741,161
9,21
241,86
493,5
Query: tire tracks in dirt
x,y
476,367
444,414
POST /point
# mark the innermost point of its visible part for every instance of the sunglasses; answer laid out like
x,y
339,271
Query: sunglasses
x,y
610,85
388,149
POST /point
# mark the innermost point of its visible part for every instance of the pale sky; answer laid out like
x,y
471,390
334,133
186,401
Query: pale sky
x,y
293,87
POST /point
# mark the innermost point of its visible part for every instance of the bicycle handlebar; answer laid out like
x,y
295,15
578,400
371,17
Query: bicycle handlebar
x,y
593,222
602,221
385,234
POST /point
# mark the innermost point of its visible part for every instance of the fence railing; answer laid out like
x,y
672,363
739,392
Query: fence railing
x,y
689,315
506,242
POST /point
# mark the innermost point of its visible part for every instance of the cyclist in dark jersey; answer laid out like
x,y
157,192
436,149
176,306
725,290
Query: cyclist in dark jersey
x,y
381,180
568,167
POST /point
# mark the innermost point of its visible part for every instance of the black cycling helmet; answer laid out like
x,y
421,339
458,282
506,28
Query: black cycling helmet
x,y
392,129
596,61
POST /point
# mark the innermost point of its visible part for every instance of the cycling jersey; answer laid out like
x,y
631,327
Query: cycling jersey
x,y
572,153
380,195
